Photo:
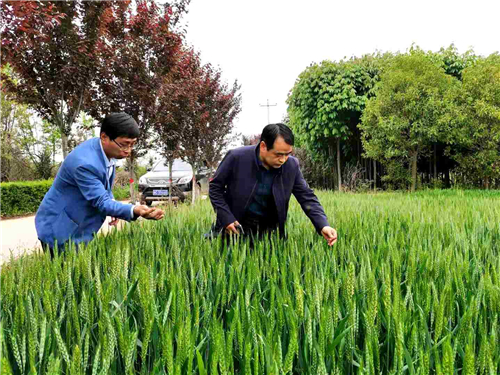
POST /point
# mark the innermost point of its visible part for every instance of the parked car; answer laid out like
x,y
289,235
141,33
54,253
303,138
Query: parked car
x,y
155,184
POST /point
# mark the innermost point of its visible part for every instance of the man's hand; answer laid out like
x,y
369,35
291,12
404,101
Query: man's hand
x,y
156,214
150,213
231,228
330,235
114,221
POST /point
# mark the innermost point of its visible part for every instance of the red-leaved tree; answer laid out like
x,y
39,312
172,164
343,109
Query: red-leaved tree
x,y
144,51
210,119
53,49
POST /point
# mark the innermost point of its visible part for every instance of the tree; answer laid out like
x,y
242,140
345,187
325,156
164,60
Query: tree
x,y
54,49
84,129
249,140
437,164
406,115
223,104
35,139
209,121
326,103
144,50
26,141
177,97
13,160
476,139
453,62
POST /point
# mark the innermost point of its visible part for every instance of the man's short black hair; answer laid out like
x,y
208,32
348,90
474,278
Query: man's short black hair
x,y
273,131
120,124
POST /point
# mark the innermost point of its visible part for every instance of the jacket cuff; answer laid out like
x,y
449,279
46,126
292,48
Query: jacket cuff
x,y
225,220
321,224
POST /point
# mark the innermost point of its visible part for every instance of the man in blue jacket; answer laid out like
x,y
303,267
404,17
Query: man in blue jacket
x,y
251,189
80,198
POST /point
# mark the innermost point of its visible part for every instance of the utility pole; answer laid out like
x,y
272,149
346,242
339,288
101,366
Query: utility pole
x,y
268,105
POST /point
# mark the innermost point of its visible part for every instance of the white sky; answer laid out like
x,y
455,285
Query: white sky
x,y
265,45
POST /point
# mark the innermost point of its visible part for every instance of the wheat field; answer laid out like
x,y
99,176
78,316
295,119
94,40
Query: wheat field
x,y
411,287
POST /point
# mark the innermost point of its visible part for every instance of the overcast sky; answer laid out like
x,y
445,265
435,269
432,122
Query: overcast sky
x,y
265,45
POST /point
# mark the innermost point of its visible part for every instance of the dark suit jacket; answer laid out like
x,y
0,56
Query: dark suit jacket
x,y
235,181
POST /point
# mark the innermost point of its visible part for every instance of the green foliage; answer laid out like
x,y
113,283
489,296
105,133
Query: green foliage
x,y
422,121
410,287
13,116
477,116
405,117
328,99
140,171
122,192
453,62
21,198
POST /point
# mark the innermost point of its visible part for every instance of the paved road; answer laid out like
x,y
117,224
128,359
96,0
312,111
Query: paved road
x,y
19,236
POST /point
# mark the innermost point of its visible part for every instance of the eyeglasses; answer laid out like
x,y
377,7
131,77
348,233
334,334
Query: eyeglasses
x,y
122,147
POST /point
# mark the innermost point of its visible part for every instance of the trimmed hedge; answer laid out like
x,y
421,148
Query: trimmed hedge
x,y
21,198
123,192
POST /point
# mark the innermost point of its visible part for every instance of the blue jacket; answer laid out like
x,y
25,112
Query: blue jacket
x,y
233,187
80,198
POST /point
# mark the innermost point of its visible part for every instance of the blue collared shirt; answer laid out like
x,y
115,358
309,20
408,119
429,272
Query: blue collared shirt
x,y
110,163
110,167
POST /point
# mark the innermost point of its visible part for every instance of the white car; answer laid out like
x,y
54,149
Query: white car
x,y
155,184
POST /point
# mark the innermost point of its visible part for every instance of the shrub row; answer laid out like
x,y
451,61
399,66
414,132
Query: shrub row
x,y
23,198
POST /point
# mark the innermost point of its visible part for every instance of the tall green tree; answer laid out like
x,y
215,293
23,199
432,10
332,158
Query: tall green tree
x,y
437,165
13,159
326,103
406,115
476,140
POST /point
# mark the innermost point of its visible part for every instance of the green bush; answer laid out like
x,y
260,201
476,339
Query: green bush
x,y
122,192
21,198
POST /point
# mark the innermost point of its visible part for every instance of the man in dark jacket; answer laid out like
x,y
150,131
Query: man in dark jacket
x,y
251,189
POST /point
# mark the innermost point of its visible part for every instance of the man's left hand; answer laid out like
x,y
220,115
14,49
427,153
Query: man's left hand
x,y
330,235
114,221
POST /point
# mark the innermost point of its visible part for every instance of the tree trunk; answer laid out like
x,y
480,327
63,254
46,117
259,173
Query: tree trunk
x,y
324,172
54,152
132,177
338,164
170,184
487,183
194,186
369,166
435,163
374,175
64,144
429,172
414,157
447,180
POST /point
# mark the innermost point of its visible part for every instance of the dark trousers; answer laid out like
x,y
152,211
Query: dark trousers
x,y
254,229
60,248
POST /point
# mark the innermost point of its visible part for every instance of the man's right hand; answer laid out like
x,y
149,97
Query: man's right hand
x,y
150,213
231,228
